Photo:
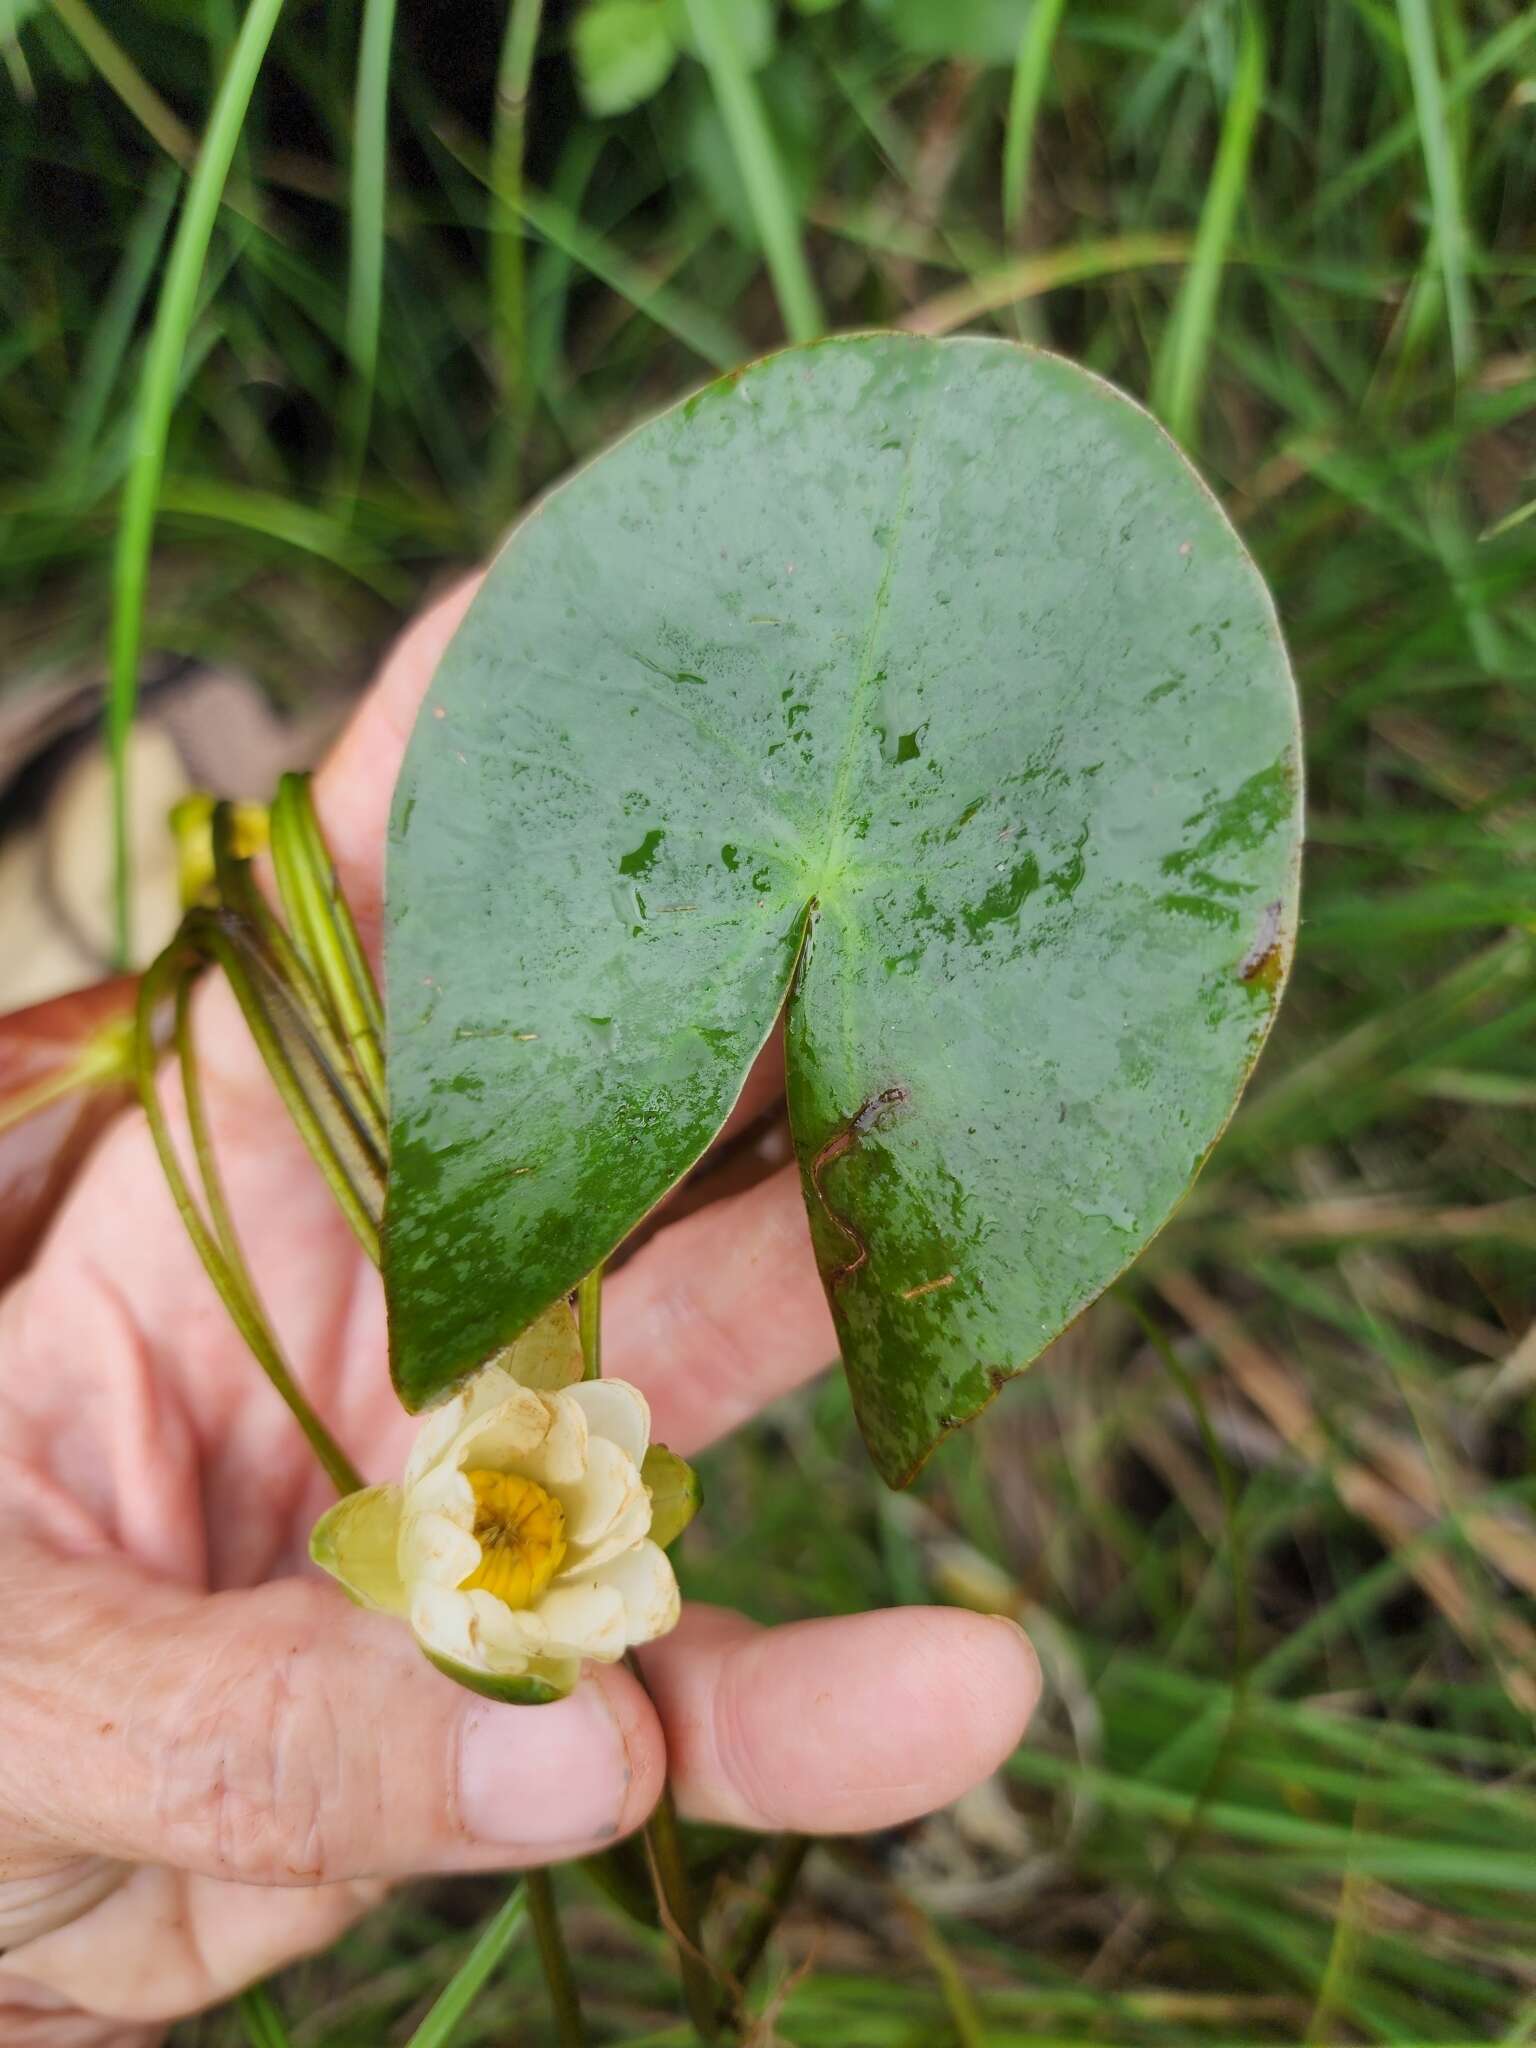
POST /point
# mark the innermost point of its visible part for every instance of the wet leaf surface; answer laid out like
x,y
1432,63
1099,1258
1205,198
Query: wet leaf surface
x,y
920,682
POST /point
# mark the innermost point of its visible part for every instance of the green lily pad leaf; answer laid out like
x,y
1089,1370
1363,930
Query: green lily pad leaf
x,y
920,684
675,1493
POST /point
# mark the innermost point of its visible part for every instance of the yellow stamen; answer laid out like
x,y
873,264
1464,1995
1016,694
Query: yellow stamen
x,y
521,1533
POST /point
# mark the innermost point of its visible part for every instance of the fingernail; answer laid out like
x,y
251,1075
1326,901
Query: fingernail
x,y
1020,1634
530,1776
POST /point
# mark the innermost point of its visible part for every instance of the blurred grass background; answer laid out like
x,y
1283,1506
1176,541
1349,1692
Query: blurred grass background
x,y
1268,1510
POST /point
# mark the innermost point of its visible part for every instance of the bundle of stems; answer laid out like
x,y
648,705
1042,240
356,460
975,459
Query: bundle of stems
x,y
306,989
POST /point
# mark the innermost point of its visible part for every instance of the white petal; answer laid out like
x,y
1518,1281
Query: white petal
x,y
506,1639
618,1411
475,1630
646,1583
604,1492
442,1621
559,1454
443,1491
584,1619
564,1456
435,1551
441,1425
623,1533
540,1436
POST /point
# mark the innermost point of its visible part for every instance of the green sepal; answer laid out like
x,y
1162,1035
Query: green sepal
x,y
676,1494
356,1543
525,1691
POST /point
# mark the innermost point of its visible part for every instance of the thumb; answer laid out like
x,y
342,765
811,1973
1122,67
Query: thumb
x,y
280,1736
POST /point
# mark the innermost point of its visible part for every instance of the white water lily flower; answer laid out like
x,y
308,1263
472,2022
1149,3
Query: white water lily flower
x,y
520,1540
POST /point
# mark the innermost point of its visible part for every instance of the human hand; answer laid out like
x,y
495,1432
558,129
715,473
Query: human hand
x,y
211,1762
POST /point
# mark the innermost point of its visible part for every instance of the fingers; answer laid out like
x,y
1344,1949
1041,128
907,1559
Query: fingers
x,y
721,1313
162,1945
279,1738
819,1727
283,1737
836,1726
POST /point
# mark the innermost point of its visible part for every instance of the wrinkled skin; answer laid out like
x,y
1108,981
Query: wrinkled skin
x,y
212,1763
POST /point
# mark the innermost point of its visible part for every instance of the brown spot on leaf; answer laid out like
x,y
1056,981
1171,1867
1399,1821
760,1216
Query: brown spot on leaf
x,y
871,1115
1264,962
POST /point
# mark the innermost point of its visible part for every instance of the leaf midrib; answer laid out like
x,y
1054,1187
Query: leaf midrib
x,y
835,858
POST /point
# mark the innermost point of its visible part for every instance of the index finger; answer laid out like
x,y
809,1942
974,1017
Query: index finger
x,y
720,1313
356,784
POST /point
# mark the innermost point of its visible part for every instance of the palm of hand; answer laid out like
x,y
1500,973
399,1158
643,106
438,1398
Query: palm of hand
x,y
198,1780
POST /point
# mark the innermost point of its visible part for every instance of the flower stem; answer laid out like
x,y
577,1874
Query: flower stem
x,y
564,1999
303,1078
324,930
173,975
679,1914
288,964
589,1318
104,1059
662,1837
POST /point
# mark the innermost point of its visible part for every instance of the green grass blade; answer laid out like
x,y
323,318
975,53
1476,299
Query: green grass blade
x,y
118,69
279,519
1496,54
552,274
162,363
365,273
261,2019
1031,71
112,331
1510,521
746,124
1028,277
1307,1844
469,1979
691,323
1443,173
1181,359
959,2000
